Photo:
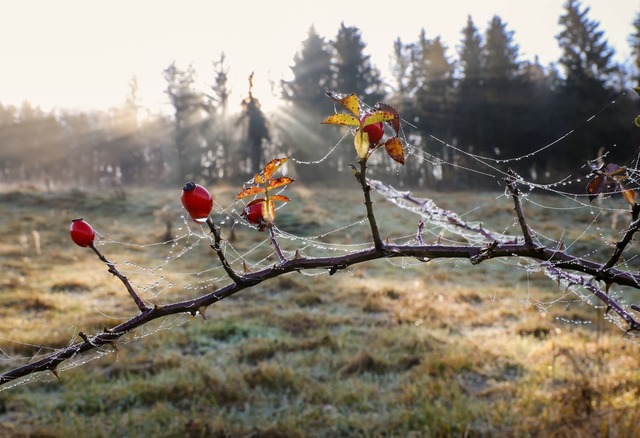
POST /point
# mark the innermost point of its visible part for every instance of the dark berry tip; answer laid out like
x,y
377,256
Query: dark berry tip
x,y
189,186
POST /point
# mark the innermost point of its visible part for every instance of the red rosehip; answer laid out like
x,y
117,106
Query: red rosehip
x,y
197,201
375,130
253,213
81,232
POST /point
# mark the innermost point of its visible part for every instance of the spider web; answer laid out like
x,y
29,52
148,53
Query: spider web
x,y
172,275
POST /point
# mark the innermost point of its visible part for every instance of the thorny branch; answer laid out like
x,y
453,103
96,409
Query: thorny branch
x,y
556,262
626,239
113,270
515,194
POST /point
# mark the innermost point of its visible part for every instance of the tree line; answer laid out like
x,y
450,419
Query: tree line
x,y
484,100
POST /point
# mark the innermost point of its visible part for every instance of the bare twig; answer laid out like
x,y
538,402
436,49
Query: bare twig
x,y
113,270
276,246
217,240
626,239
361,176
515,194
419,238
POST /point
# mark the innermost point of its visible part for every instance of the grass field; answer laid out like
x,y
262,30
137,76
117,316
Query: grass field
x,y
383,349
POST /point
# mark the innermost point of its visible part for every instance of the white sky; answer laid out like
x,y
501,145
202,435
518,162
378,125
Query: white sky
x,y
82,54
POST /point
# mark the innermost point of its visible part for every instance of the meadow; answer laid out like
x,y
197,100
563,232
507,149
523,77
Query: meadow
x,y
387,348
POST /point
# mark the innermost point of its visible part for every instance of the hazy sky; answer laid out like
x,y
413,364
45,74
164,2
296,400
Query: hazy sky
x,y
82,54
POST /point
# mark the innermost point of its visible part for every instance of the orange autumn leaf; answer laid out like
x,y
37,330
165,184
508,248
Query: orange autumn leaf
x,y
280,198
279,182
272,166
250,191
628,196
394,149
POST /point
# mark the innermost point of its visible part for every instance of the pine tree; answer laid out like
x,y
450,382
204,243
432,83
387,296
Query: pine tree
x,y
500,68
353,71
217,160
586,56
634,41
188,115
469,105
586,61
311,74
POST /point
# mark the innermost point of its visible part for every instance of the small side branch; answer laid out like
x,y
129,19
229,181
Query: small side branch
x,y
217,247
626,240
276,246
113,270
366,189
515,194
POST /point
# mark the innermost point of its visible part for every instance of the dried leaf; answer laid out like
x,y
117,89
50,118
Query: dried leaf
x,y
282,181
595,187
280,198
394,149
268,212
615,172
272,166
250,191
378,116
361,143
395,122
628,195
341,119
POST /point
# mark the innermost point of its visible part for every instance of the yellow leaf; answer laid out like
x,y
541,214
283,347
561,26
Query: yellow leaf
x,y
378,116
282,181
280,198
268,211
272,166
250,191
258,179
341,119
361,142
351,103
394,149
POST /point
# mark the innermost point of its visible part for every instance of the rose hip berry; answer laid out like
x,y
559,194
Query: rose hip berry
x,y
197,201
375,130
253,213
81,232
